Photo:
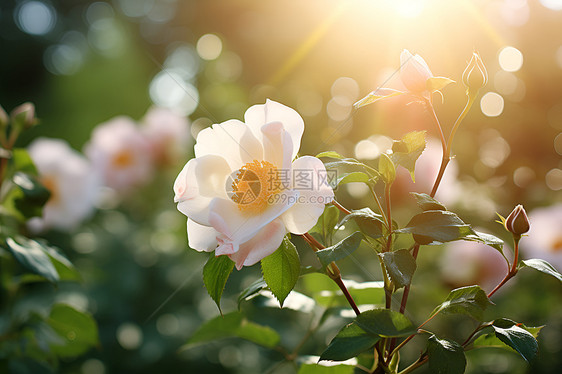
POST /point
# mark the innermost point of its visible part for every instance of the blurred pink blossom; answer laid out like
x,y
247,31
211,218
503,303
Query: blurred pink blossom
x,y
465,263
168,135
70,179
120,153
544,239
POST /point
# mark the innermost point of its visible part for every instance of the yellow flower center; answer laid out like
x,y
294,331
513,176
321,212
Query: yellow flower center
x,y
50,183
122,159
556,245
255,185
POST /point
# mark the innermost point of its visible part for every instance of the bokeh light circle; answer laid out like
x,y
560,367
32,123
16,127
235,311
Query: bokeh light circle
x,y
35,17
553,179
510,59
492,104
168,89
209,47
552,4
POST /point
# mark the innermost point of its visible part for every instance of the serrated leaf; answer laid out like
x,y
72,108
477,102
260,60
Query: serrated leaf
x,y
471,300
340,250
370,223
31,255
376,95
387,169
426,202
363,293
251,291
215,274
437,83
445,356
400,266
353,177
281,270
234,325
386,323
436,227
330,154
542,266
406,151
350,341
78,330
517,338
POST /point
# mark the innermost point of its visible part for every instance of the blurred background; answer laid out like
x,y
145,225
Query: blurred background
x,y
85,62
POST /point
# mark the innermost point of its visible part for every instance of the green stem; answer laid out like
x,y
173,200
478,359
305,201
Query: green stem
x,y
422,360
511,271
379,207
340,207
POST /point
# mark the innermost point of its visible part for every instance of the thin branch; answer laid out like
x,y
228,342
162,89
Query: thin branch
x,y
340,207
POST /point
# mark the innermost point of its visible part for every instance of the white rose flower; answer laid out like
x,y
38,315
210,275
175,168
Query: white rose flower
x,y
70,179
244,190
120,153
544,239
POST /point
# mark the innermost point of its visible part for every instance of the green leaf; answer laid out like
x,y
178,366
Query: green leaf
x,y
355,176
436,227
406,151
340,250
445,356
387,169
31,255
64,268
437,83
517,338
400,265
350,341
363,293
78,330
386,323
487,239
471,300
426,202
378,94
491,340
330,154
370,223
281,270
34,196
326,224
21,161
295,301
251,291
313,365
234,325
215,274
542,266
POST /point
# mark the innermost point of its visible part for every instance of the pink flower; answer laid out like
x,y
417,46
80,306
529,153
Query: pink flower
x,y
70,179
544,238
120,153
244,190
415,76
167,133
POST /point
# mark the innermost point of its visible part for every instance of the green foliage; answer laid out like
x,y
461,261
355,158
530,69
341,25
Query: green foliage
x,y
281,270
326,224
326,368
387,169
350,341
78,330
234,325
542,266
400,266
436,227
330,154
516,337
426,202
445,356
340,250
406,151
251,291
354,176
369,222
33,195
31,255
363,293
471,300
215,274
385,323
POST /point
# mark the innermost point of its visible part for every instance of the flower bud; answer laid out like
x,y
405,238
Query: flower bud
x,y
23,116
517,222
475,75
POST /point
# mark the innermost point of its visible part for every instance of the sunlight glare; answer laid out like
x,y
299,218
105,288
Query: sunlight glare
x,y
491,104
408,8
552,4
510,59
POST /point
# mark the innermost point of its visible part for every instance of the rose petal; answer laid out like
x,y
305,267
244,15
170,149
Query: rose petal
x,y
315,193
272,111
232,140
264,243
277,145
201,238
238,226
414,72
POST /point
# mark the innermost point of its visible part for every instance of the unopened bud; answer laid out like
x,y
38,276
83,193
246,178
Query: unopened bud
x,y
475,75
3,118
517,222
23,116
